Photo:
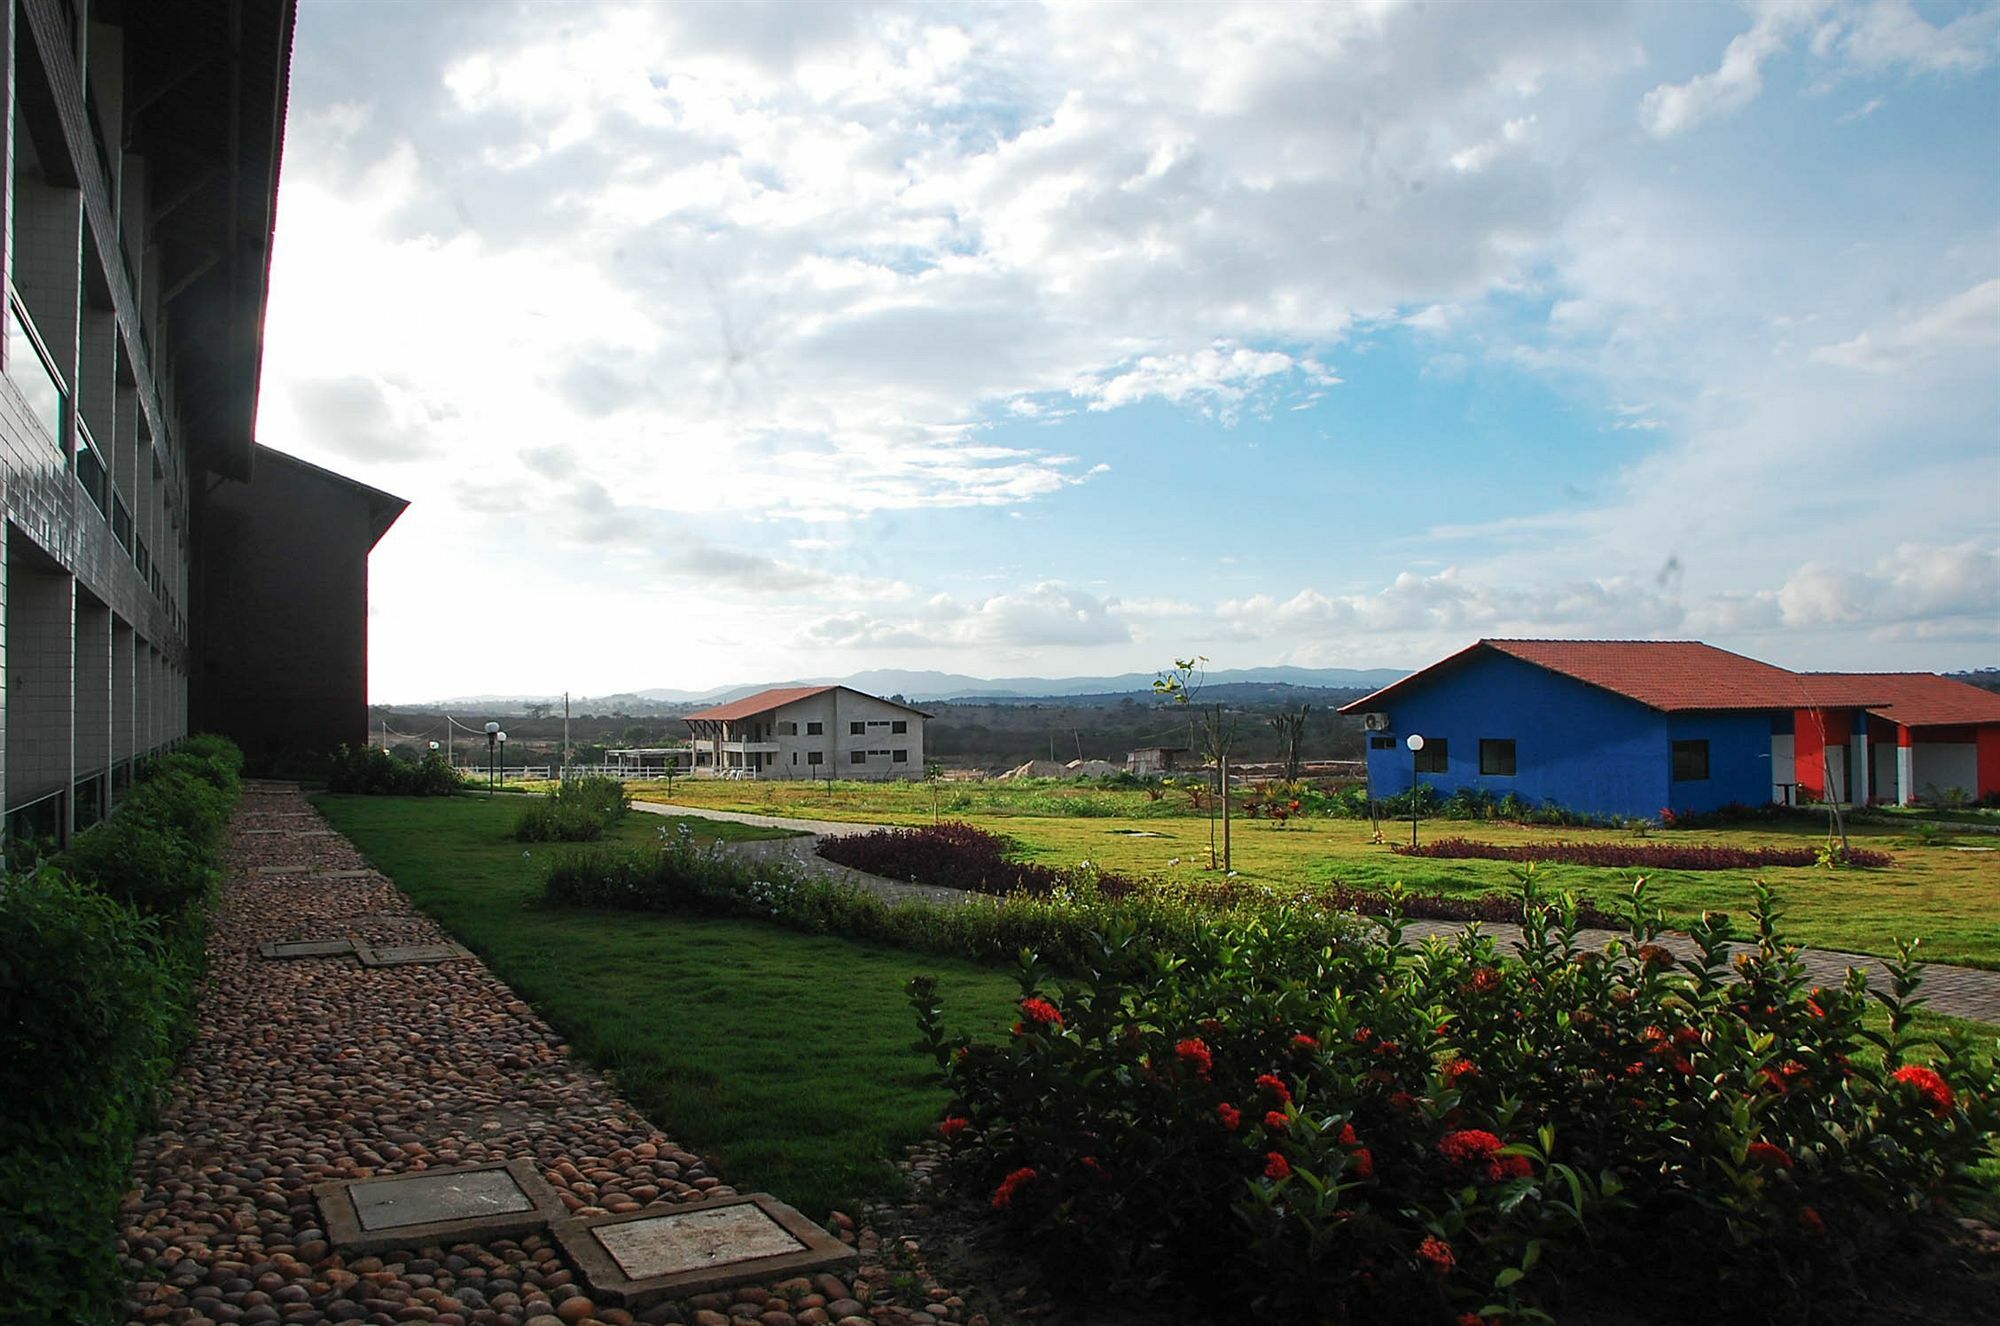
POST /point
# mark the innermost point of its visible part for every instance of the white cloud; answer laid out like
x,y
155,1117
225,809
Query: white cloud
x,y
1969,320
1674,108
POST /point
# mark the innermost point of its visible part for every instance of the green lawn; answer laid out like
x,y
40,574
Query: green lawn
x,y
785,1058
1947,897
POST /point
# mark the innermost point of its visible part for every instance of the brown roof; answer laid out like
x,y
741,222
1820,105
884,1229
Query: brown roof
x,y
1667,675
765,701
1913,699
761,702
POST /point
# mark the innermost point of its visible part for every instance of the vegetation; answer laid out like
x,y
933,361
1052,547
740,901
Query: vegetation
x,y
98,977
1435,1134
789,1062
953,855
1643,856
372,771
1146,831
577,810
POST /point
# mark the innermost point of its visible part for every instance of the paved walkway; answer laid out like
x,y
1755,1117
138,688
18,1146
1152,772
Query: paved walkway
x,y
318,1069
1966,992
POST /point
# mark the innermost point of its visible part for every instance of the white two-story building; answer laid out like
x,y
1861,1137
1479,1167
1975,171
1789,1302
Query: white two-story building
x,y
809,732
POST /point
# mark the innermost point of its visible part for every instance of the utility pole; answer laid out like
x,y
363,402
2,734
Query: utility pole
x,y
565,758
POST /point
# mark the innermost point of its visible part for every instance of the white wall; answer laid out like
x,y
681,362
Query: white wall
x,y
1942,765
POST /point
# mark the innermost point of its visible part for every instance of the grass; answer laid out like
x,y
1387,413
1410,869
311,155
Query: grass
x,y
785,1058
1948,898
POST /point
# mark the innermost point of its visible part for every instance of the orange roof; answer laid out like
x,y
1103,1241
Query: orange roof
x,y
1667,675
761,702
1913,699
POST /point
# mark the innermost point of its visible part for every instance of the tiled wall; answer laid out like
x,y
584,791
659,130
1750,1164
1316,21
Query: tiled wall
x,y
93,687
39,658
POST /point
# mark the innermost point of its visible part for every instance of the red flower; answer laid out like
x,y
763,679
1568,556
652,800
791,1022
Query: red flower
x,y
1042,1011
1276,1166
1090,1163
1928,1084
1403,1102
1277,1119
1501,1168
1653,955
1458,1070
1348,1136
1438,1253
1211,1026
1364,1163
1231,1116
1276,1086
1474,1319
1770,1153
1003,1196
953,1126
1687,1038
1305,1042
1363,1036
1195,1051
1469,1147
1486,980
1809,1219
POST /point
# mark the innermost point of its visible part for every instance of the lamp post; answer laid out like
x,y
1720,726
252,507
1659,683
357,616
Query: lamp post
x,y
1416,745
434,749
503,755
492,734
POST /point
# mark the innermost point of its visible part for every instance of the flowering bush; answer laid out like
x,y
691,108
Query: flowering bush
x,y
1678,856
953,855
1402,1133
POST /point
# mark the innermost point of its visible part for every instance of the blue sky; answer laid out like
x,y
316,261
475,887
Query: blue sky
x,y
742,342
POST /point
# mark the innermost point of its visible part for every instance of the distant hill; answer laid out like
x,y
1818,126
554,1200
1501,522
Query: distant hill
x,y
919,686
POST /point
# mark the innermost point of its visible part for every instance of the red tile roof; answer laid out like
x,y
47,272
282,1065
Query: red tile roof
x,y
1668,675
1913,699
761,702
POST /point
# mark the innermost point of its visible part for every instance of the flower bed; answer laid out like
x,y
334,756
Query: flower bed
x,y
1643,856
953,855
1439,1134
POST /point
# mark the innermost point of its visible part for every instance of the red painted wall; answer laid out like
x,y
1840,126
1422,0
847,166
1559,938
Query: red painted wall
x,y
1989,760
1809,750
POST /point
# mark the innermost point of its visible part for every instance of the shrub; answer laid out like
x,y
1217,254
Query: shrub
x,y
172,800
1404,1134
1664,856
952,855
158,870
1063,924
371,771
579,810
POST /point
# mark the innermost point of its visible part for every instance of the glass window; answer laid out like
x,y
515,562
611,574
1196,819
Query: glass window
x,y
813,757
857,757
30,371
90,472
121,522
900,726
1690,761
815,729
857,729
1381,743
900,757
1435,757
1496,757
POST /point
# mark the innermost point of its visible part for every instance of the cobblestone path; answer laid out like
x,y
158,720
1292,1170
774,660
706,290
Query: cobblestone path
x,y
1966,992
317,1069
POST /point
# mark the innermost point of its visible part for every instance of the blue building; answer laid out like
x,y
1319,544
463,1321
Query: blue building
x,y
1608,727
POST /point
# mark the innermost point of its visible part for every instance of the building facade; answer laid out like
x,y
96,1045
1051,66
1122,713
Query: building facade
x,y
141,188
809,732
1633,728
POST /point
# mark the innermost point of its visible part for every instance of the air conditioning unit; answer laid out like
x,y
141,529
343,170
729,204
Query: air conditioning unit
x,y
1375,722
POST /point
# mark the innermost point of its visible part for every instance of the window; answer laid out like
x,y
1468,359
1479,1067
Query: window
x,y
814,730
900,757
121,522
90,473
1496,757
1381,743
1435,757
788,729
1690,761
30,370
857,757
857,729
812,757
900,726
795,757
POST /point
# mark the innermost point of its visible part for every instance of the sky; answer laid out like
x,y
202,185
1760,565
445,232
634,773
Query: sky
x,y
739,342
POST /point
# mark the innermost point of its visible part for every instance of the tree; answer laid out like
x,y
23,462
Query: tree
x,y
537,710
1182,685
1291,730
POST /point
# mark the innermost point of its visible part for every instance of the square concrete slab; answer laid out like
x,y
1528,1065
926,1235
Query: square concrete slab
x,y
404,955
347,874
307,948
461,1204
640,1258
303,868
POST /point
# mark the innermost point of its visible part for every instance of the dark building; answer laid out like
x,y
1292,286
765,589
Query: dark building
x,y
281,607
141,189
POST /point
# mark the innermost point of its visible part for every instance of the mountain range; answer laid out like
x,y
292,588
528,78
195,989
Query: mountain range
x,y
921,686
